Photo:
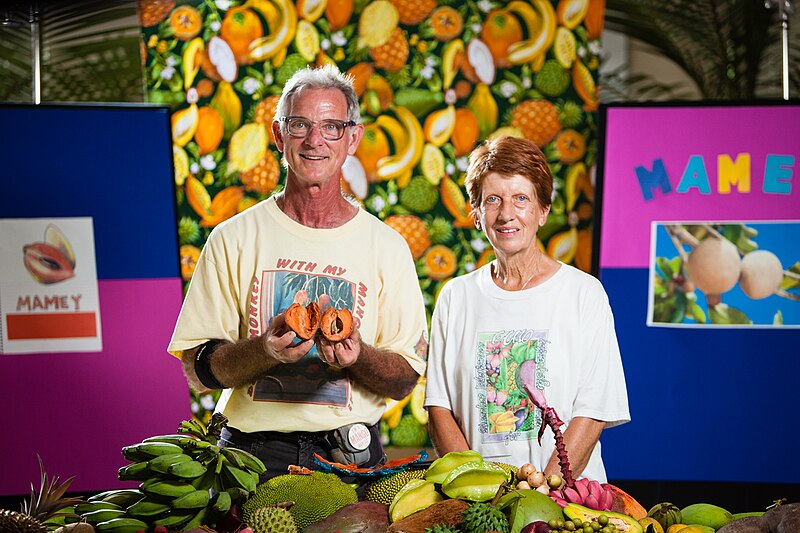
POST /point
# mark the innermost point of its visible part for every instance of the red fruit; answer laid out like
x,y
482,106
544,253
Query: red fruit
x,y
46,263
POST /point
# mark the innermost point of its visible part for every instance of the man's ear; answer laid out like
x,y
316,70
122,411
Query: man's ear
x,y
356,133
476,219
278,134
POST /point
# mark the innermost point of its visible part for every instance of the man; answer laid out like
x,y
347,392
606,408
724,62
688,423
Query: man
x,y
286,398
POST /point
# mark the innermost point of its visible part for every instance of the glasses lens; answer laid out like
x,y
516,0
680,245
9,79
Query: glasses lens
x,y
331,130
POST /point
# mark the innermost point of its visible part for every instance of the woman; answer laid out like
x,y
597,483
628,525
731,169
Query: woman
x,y
523,307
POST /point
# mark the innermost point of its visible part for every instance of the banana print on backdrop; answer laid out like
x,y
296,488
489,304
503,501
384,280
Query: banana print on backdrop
x,y
434,79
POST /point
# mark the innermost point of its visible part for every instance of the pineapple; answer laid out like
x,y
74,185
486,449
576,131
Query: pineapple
x,y
45,504
265,114
392,54
264,176
413,230
151,12
413,12
537,120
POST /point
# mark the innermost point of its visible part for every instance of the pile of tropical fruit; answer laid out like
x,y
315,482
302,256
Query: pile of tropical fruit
x,y
189,484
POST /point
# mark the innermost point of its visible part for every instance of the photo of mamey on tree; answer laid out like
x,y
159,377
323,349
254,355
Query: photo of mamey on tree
x,y
720,262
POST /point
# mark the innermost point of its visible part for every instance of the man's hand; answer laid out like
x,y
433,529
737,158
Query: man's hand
x,y
278,342
342,353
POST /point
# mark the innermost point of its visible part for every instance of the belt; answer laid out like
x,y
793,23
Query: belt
x,y
230,433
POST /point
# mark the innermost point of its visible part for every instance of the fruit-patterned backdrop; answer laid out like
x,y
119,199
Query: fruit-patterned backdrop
x,y
434,79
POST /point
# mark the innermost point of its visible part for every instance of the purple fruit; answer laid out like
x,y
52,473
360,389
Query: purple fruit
x,y
536,527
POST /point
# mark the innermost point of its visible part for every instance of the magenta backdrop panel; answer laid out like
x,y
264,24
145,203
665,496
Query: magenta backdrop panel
x,y
77,410
688,141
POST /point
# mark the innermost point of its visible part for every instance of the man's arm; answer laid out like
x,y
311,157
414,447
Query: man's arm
x,y
234,364
580,438
383,372
444,431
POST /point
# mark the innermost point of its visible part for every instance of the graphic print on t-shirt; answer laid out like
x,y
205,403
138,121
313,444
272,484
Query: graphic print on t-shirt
x,y
309,380
506,412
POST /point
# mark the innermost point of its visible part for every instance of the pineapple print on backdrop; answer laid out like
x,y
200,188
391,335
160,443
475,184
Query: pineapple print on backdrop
x,y
434,79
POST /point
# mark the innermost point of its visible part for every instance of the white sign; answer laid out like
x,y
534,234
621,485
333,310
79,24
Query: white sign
x,y
48,286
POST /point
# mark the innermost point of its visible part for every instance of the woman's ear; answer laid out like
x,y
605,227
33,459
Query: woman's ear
x,y
476,219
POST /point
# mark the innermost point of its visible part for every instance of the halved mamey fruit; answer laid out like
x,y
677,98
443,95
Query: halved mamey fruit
x,y
336,324
304,321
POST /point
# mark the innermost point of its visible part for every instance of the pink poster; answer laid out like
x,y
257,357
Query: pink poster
x,y
694,163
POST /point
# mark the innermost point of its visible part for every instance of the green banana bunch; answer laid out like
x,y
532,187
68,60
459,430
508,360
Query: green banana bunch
x,y
121,525
146,508
165,488
120,497
177,473
175,518
221,502
88,507
101,515
193,500
163,463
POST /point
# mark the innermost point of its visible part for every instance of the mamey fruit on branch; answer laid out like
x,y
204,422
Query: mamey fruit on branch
x,y
336,324
762,274
714,265
304,321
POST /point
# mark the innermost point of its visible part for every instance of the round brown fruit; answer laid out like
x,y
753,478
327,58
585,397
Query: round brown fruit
x,y
714,265
554,481
762,274
524,471
536,479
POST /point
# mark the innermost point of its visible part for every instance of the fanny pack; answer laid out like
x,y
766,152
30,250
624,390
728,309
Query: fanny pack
x,y
356,444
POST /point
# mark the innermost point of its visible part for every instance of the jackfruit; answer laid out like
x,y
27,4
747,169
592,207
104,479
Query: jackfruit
x,y
316,496
384,490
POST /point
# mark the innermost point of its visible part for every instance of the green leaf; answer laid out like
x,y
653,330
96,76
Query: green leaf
x,y
724,314
664,265
696,312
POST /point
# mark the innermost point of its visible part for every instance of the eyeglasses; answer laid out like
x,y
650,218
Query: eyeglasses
x,y
330,129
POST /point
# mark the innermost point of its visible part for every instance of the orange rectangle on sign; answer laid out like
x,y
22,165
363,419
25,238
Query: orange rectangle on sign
x,y
51,325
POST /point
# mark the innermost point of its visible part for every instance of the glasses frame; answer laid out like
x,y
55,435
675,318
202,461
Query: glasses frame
x,y
314,123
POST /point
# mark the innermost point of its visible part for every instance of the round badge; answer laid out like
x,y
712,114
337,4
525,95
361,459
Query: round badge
x,y
359,436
